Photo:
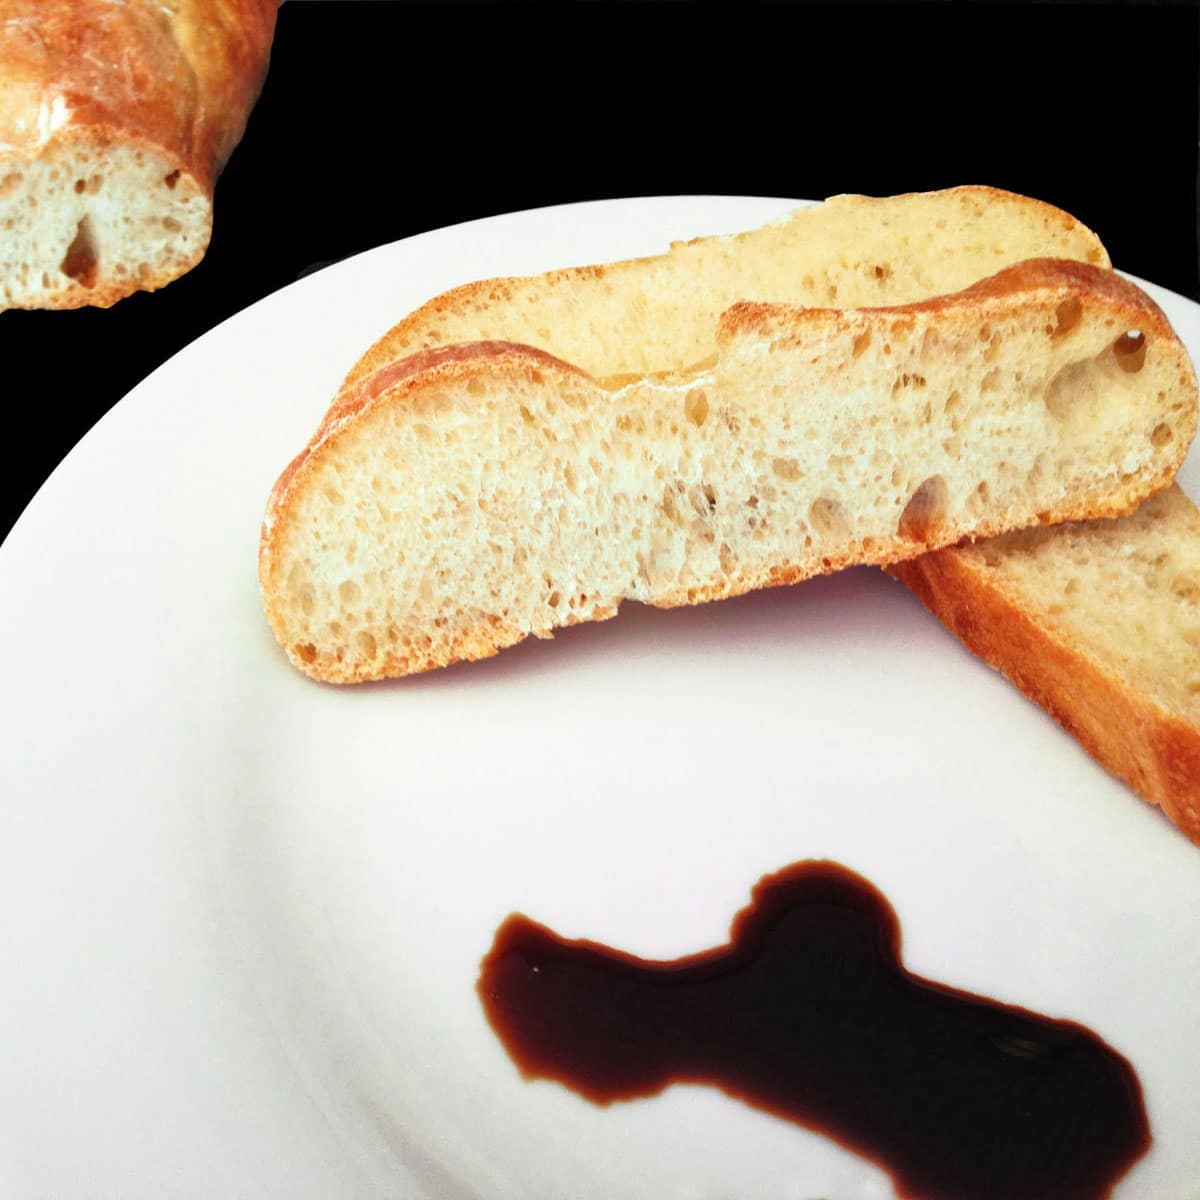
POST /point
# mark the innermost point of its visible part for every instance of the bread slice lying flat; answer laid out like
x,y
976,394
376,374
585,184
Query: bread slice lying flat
x,y
646,315
611,318
115,120
459,500
1099,623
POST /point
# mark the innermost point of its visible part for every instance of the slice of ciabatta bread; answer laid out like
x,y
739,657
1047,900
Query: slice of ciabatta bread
x,y
960,231
645,315
1099,623
461,499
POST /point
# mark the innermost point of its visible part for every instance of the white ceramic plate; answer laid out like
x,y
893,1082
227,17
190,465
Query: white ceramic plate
x,y
243,914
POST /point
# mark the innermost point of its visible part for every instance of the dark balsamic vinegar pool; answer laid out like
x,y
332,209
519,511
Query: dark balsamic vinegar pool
x,y
809,1014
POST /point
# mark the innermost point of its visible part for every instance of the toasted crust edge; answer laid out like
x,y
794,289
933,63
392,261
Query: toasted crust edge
x,y
1134,738
1063,276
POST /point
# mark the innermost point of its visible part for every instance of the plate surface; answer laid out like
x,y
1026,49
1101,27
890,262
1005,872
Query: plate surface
x,y
244,913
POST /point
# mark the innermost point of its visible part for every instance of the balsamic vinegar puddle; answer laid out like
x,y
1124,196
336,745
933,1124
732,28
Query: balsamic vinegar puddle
x,y
808,1013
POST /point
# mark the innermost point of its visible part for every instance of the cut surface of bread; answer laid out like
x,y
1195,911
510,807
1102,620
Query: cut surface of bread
x,y
115,120
462,499
1099,623
595,314
646,315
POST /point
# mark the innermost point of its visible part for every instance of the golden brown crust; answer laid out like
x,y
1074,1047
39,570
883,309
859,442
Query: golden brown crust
x,y
397,381
171,81
181,77
1135,738
1065,278
437,363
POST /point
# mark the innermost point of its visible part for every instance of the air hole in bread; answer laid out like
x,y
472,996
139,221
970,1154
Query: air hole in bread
x,y
695,406
990,382
1161,434
80,186
171,225
367,644
670,505
925,512
1186,588
861,343
1067,316
703,499
80,262
907,380
1130,349
787,469
554,599
171,180
828,517
10,183
306,653
349,592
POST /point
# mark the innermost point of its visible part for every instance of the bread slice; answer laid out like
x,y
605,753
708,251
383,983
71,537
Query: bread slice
x,y
1099,623
115,120
646,315
613,318
461,499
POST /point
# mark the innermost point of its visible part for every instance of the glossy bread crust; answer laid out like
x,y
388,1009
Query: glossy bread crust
x,y
170,83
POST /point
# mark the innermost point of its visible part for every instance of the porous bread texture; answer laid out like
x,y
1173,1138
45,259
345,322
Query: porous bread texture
x,y
1098,622
91,220
646,315
462,499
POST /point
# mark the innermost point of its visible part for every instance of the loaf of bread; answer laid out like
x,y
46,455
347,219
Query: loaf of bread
x,y
1099,623
458,500
116,117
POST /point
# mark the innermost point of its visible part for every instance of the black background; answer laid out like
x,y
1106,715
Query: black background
x,y
380,119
